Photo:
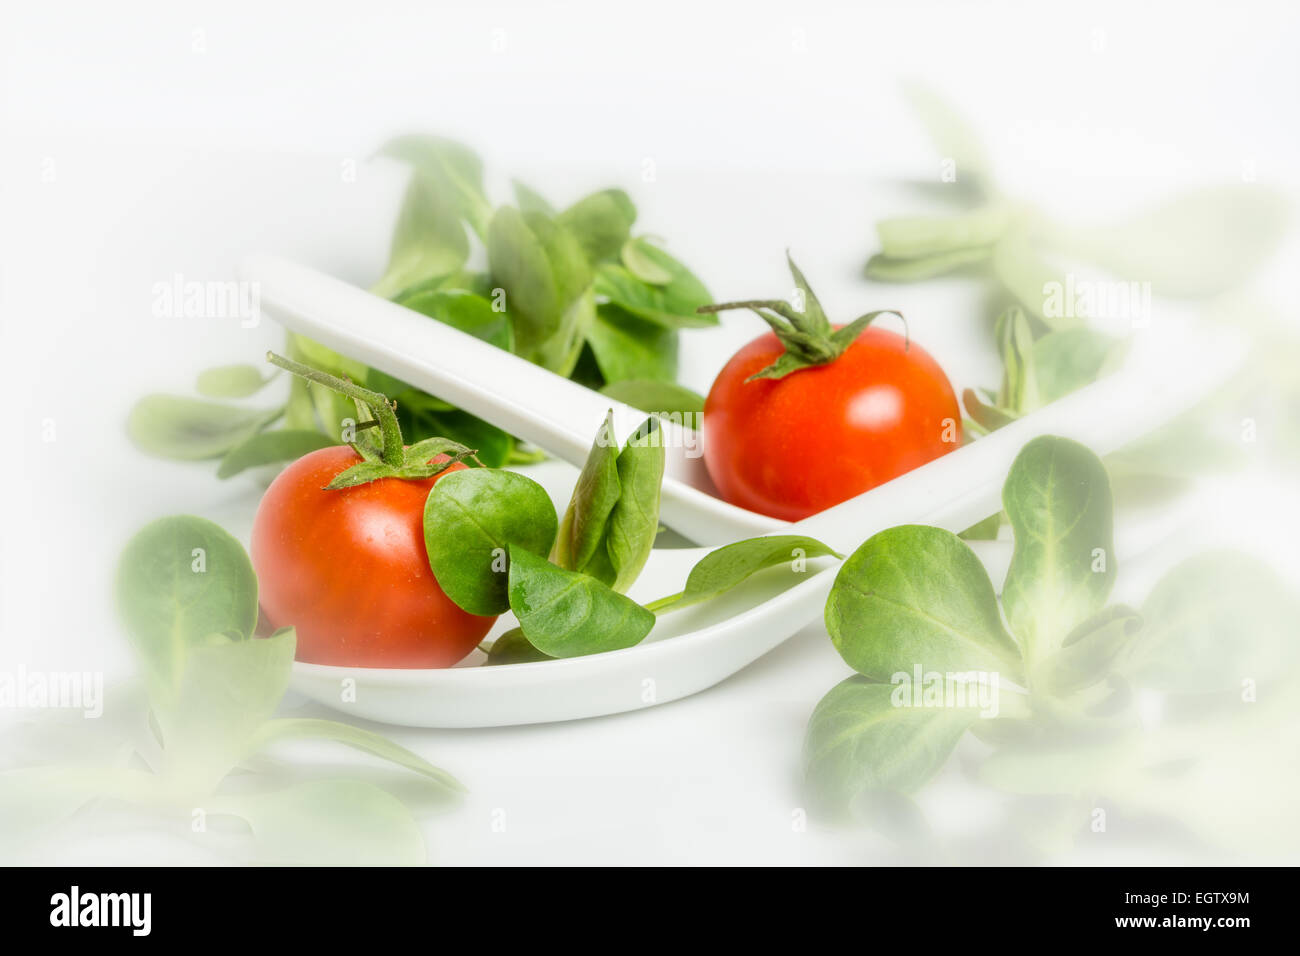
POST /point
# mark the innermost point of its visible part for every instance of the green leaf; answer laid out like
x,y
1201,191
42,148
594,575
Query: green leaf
x,y
422,452
884,269
268,448
627,347
329,408
923,237
471,518
545,274
985,530
364,740
330,823
600,222
861,743
1057,498
657,398
1185,447
568,614
422,414
189,429
310,352
453,171
1023,271
300,412
1215,620
461,310
988,417
231,381
1200,243
634,521
530,200
916,596
1089,653
952,135
722,569
428,241
1019,393
179,580
227,689
672,304
579,546
641,264
35,800
1068,359
513,648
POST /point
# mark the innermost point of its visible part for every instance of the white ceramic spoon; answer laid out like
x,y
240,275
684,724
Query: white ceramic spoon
x,y
692,649
539,406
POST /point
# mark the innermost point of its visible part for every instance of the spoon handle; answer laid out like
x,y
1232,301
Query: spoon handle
x,y
514,394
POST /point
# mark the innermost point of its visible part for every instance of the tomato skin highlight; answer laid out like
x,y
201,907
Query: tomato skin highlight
x,y
794,446
348,569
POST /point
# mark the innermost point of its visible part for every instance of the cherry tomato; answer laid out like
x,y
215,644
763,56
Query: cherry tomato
x,y
349,570
793,446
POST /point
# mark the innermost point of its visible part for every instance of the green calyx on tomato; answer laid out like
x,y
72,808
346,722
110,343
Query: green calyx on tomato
x,y
807,334
390,457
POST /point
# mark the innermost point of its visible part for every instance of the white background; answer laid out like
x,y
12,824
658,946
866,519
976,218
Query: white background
x,y
143,140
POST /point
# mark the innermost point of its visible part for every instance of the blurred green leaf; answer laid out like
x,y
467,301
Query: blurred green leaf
x,y
627,347
600,222
920,237
225,691
231,381
546,278
330,823
860,743
953,136
268,448
1215,620
884,269
190,429
300,728
180,580
1199,243
656,397
642,265
672,304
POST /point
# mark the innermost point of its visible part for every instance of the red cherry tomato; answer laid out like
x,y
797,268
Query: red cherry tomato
x,y
349,570
793,446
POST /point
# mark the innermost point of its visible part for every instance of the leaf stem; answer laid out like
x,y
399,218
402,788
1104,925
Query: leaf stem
x,y
393,450
662,603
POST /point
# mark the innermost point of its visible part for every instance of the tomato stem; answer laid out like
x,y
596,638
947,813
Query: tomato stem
x,y
393,451
806,332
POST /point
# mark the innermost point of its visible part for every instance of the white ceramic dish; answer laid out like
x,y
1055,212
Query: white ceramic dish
x,y
695,648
